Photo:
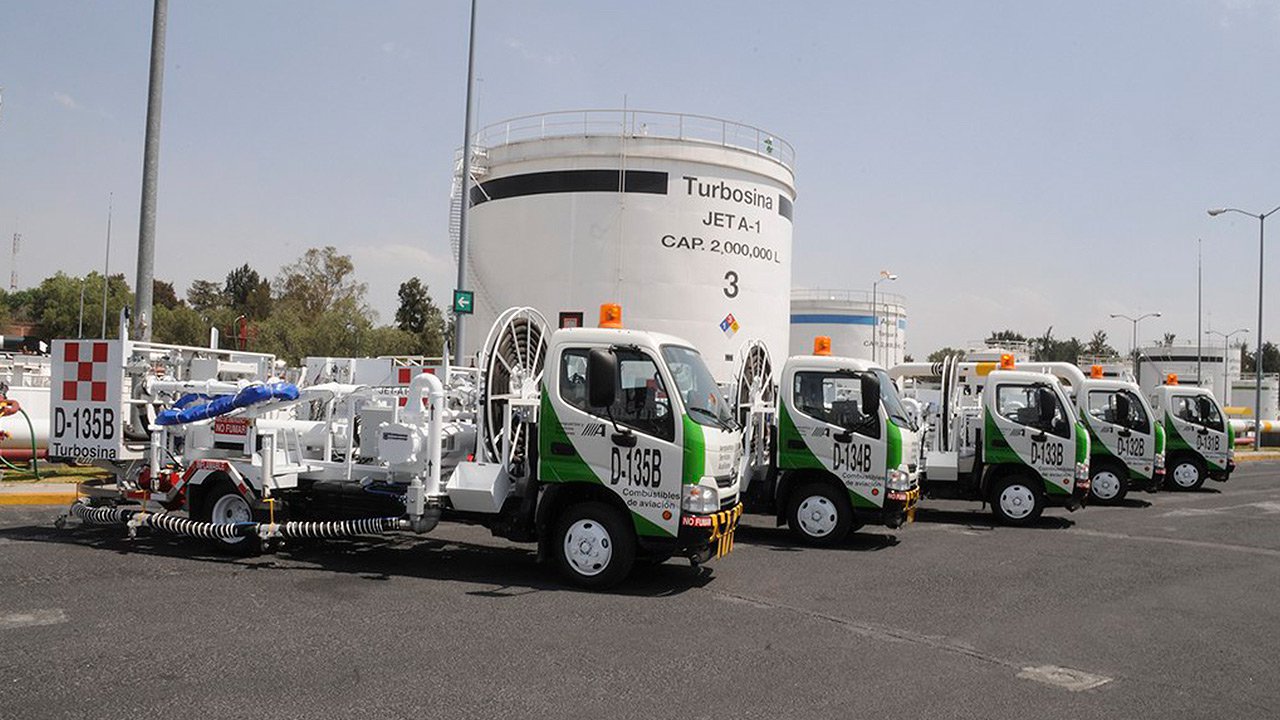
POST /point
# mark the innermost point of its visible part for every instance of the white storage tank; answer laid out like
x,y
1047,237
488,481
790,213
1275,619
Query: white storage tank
x,y
684,220
852,322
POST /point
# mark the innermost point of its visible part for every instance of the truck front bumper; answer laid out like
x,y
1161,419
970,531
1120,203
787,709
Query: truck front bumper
x,y
899,507
706,537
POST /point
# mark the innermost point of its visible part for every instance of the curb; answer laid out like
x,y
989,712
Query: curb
x,y
1252,457
40,496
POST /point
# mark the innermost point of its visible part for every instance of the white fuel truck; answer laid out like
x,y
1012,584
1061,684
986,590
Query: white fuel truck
x,y
1200,442
603,445
839,450
1126,439
1005,436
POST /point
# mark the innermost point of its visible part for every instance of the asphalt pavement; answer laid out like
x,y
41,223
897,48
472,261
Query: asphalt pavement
x,y
1164,608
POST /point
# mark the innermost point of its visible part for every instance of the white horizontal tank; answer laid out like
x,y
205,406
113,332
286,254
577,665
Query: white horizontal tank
x,y
684,220
852,322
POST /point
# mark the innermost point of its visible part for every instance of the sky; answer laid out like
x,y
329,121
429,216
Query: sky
x,y
1018,164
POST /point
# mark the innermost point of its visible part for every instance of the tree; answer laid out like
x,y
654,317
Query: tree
x,y
411,316
941,353
1047,348
55,304
247,292
319,309
420,316
1270,359
1098,346
390,340
320,281
1005,336
180,325
205,295
163,295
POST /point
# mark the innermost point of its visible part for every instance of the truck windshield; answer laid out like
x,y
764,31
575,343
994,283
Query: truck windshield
x,y
698,390
892,403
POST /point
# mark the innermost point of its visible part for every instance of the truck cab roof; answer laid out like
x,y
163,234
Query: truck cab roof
x,y
831,362
616,336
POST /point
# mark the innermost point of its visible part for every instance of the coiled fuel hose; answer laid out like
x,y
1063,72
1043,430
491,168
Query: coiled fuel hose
x,y
175,525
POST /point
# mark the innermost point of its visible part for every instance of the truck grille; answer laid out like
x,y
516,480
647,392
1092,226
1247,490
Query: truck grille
x,y
724,481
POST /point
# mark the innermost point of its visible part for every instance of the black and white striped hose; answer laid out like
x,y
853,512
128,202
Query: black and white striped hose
x,y
225,531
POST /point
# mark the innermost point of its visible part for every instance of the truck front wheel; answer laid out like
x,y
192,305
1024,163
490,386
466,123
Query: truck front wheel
x,y
1109,484
595,545
819,514
1187,473
1016,501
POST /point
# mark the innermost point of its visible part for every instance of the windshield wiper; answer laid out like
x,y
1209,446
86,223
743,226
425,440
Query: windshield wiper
x,y
716,418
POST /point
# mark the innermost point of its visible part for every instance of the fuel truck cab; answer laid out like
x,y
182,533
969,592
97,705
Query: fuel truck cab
x,y
1007,437
1126,440
844,452
1200,443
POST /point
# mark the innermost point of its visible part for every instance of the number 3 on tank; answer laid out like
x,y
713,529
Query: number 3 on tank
x,y
731,290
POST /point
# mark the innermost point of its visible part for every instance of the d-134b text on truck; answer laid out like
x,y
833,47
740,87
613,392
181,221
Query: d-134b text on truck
x,y
603,445
835,451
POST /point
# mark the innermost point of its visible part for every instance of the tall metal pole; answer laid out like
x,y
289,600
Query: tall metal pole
x,y
150,170
460,318
106,265
1199,306
1257,362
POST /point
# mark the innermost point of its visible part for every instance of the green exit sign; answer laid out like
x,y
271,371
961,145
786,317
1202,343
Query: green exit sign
x,y
463,302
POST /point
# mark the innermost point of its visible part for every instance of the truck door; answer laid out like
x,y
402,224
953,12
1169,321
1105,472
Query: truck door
x,y
631,447
1122,428
843,437
1028,424
1199,426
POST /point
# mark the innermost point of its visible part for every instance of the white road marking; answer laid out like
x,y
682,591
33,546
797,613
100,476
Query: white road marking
x,y
1268,507
1267,552
32,618
1073,680
1062,677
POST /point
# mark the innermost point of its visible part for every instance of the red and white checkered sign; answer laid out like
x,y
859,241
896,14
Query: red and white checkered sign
x,y
86,405
85,371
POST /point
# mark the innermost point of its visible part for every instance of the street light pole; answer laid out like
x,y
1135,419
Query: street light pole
x,y
875,318
1133,342
459,319
1199,305
1257,358
1226,367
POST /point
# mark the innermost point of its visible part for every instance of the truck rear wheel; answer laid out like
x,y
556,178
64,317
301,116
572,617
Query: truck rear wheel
x,y
819,514
1108,484
1187,473
224,505
595,545
1015,500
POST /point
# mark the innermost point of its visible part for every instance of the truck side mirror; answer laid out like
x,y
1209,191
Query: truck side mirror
x,y
1206,409
1124,412
870,386
1048,402
602,378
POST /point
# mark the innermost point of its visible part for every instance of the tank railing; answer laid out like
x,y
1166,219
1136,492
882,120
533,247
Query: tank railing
x,y
819,294
639,123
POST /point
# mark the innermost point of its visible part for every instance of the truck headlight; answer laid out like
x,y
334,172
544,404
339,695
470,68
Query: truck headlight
x,y
898,479
699,499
